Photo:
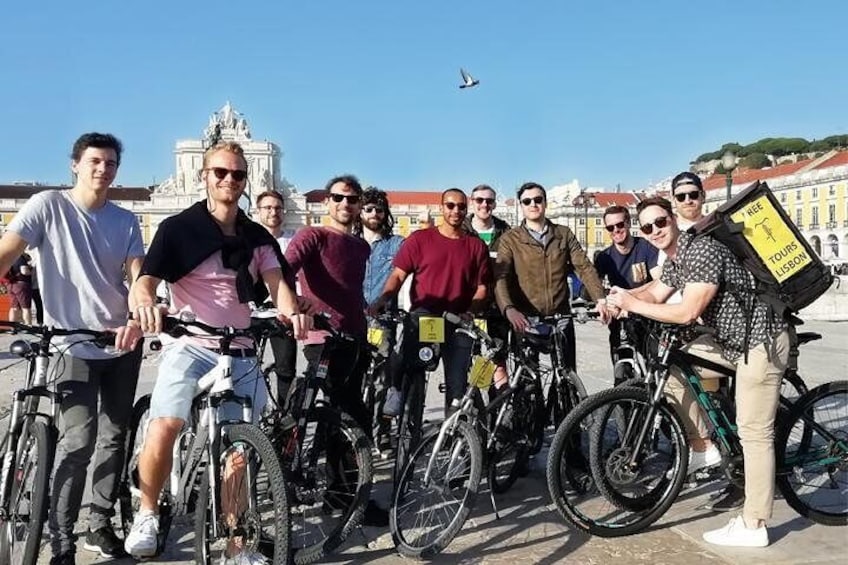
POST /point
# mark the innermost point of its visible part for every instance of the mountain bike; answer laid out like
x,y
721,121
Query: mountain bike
x,y
30,444
326,459
225,471
637,454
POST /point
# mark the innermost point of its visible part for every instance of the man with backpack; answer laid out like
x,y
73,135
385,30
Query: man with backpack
x,y
749,336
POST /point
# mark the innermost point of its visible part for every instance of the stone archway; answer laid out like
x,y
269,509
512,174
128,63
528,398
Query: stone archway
x,y
832,247
815,243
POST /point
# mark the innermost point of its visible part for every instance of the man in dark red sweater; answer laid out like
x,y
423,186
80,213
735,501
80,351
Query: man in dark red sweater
x,y
452,274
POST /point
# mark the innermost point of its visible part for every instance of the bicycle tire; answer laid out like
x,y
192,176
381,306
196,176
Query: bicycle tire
x,y
127,500
302,485
410,423
791,476
236,437
512,439
569,392
463,437
20,536
575,504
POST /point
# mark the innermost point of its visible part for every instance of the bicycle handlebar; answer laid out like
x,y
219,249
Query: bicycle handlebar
x,y
100,337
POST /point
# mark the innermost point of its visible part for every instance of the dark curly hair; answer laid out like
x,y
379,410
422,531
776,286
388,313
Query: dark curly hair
x,y
375,196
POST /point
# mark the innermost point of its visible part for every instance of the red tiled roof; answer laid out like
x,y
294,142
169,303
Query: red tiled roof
x,y
747,176
123,193
396,197
837,160
607,199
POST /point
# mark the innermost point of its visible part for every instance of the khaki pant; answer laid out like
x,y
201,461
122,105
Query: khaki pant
x,y
757,392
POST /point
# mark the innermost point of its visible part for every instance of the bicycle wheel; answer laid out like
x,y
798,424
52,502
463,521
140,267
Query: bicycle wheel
x,y
566,393
426,515
589,474
20,531
812,455
411,420
510,450
253,517
129,493
329,486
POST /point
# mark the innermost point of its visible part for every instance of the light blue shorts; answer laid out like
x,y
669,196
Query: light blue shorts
x,y
183,364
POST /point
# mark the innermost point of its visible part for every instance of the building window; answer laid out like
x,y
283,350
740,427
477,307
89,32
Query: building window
x,y
814,221
815,192
831,190
798,218
597,221
797,195
140,219
783,197
831,214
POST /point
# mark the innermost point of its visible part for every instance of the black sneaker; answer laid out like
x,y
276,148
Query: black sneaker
x,y
375,516
66,558
731,498
105,542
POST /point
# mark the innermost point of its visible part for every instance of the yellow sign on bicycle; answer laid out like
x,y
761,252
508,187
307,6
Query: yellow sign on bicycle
x,y
481,324
431,329
482,372
375,336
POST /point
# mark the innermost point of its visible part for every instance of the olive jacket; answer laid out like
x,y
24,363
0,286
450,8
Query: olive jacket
x,y
533,278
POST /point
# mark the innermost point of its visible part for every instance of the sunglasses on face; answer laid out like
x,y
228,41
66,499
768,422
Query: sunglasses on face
x,y
451,205
489,201
692,195
660,223
534,200
618,226
377,209
351,198
221,173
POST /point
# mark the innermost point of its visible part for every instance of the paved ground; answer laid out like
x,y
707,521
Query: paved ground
x,y
530,531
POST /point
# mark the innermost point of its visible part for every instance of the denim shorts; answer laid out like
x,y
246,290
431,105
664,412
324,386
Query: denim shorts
x,y
182,365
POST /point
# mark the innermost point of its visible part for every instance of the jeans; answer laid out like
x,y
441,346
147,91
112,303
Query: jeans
x,y
285,364
82,423
348,363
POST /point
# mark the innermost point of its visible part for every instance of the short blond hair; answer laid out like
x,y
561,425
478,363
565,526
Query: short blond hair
x,y
230,146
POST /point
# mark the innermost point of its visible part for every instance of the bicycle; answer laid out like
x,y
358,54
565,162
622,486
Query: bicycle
x,y
637,452
326,459
225,471
375,381
30,445
447,465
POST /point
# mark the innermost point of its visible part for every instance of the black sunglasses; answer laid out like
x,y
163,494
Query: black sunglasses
x,y
221,173
451,205
693,195
480,200
614,227
534,200
660,223
351,198
378,209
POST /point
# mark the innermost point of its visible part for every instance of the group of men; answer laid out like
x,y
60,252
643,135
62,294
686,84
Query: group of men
x,y
217,262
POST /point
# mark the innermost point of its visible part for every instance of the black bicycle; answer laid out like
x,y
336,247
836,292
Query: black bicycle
x,y
29,445
225,471
634,452
326,459
376,380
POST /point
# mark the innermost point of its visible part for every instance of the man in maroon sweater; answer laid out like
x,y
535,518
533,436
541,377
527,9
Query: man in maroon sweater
x,y
330,263
452,274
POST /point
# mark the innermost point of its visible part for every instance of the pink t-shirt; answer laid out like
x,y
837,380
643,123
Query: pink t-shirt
x,y
209,292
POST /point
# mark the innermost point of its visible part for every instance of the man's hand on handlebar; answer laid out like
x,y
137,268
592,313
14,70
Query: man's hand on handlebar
x,y
149,318
127,337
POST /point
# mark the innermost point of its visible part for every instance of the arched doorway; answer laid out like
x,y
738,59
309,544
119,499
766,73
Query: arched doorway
x,y
815,243
832,247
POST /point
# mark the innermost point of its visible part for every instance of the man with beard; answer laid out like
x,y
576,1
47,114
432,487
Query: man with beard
x,y
330,262
451,274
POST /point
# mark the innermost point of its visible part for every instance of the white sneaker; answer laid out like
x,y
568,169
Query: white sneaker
x,y
703,459
736,534
245,558
392,405
142,541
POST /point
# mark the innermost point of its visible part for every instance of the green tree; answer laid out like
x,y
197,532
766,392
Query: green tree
x,y
755,161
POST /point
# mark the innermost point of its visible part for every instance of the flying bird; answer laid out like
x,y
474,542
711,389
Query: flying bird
x,y
467,80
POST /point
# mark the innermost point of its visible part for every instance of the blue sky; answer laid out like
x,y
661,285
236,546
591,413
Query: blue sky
x,y
609,92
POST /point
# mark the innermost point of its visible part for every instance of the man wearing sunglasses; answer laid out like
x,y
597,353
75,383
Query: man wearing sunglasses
x,y
533,264
330,262
270,205
451,274
490,228
689,196
216,261
748,337
627,263
376,226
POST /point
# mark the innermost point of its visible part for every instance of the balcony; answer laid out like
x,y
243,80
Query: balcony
x,y
814,226
830,225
